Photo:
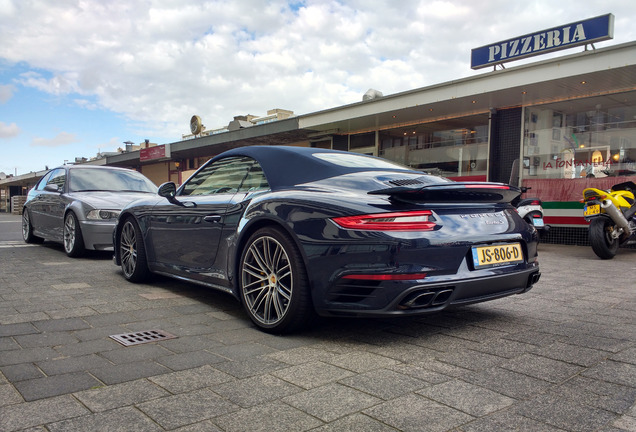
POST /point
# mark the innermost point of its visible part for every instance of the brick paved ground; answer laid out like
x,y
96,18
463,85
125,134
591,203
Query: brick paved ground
x,y
559,358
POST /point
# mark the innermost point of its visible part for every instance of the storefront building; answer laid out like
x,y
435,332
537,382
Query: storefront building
x,y
556,125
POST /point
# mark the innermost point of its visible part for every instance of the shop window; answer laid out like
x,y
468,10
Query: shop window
x,y
570,141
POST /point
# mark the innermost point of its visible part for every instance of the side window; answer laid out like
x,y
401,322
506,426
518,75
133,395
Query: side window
x,y
222,176
255,180
58,177
43,181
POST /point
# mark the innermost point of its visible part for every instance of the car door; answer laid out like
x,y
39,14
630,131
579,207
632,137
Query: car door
x,y
184,234
51,204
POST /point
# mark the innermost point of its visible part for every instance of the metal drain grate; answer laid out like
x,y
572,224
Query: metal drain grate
x,y
146,336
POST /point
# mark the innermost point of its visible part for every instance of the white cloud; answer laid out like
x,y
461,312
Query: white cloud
x,y
60,140
158,62
9,130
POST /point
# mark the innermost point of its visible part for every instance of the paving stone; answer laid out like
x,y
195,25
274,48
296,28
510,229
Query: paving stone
x,y
361,361
241,351
123,419
46,339
300,355
250,367
183,409
57,325
543,368
189,360
383,383
273,417
17,329
21,372
505,421
135,353
416,413
355,423
9,395
312,375
119,395
188,380
509,383
256,390
72,364
56,385
564,413
115,374
27,355
30,414
331,401
474,400
574,354
615,372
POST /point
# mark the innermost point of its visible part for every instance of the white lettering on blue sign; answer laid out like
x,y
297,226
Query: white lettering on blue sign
x,y
537,42
566,36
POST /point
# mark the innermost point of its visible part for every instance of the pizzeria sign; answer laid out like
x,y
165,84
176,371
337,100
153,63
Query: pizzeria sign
x,y
566,36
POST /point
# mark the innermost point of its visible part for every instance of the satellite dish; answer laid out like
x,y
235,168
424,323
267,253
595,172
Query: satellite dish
x,y
195,125
2,175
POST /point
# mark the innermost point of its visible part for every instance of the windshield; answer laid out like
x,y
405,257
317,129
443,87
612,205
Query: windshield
x,y
85,179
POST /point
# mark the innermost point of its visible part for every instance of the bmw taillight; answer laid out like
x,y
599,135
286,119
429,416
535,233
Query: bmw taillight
x,y
398,221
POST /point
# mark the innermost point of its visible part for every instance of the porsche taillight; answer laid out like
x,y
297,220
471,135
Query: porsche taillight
x,y
398,221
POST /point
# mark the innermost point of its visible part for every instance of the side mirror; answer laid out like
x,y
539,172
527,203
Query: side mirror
x,y
52,188
167,190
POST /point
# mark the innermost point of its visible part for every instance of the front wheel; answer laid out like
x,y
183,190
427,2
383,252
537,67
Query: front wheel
x,y
27,229
273,282
73,240
600,232
132,252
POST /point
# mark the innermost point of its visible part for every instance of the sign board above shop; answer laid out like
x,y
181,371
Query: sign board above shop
x,y
566,36
154,153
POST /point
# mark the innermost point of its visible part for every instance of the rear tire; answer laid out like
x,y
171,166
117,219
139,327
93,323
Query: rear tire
x,y
72,236
603,245
27,229
273,282
132,252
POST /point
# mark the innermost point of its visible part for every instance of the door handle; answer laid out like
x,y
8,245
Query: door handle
x,y
212,218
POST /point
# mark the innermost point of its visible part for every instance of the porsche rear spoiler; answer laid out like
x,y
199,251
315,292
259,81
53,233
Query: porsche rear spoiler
x,y
475,192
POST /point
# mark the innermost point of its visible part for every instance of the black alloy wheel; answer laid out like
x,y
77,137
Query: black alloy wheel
x,y
27,229
600,233
73,240
132,252
273,282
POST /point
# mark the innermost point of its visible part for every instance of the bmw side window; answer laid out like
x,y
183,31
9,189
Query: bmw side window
x,y
58,178
43,181
222,176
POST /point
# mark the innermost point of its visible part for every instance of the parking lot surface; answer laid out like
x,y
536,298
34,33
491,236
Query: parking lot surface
x,y
559,358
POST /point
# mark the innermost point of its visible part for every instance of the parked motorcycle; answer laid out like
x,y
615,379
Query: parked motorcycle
x,y
612,218
531,210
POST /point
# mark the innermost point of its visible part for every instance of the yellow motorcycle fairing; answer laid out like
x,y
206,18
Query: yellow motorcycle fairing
x,y
620,198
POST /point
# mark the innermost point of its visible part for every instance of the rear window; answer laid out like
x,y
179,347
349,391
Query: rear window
x,y
358,161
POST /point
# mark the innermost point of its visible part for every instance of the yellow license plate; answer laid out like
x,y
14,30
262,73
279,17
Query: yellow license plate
x,y
593,209
488,256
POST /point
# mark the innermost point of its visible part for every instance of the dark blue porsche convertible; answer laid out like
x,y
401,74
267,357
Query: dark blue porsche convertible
x,y
292,231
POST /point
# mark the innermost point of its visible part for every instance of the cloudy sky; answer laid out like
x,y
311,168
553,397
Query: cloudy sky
x,y
82,76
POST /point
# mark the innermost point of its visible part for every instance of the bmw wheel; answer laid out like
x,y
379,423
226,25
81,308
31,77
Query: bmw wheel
x,y
132,252
27,229
273,282
600,232
73,240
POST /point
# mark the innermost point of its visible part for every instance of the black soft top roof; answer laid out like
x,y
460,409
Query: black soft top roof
x,y
288,166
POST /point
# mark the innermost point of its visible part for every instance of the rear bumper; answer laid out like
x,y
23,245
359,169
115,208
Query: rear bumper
x,y
426,298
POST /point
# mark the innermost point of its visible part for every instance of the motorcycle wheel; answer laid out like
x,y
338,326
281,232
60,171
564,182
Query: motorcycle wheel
x,y
603,245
